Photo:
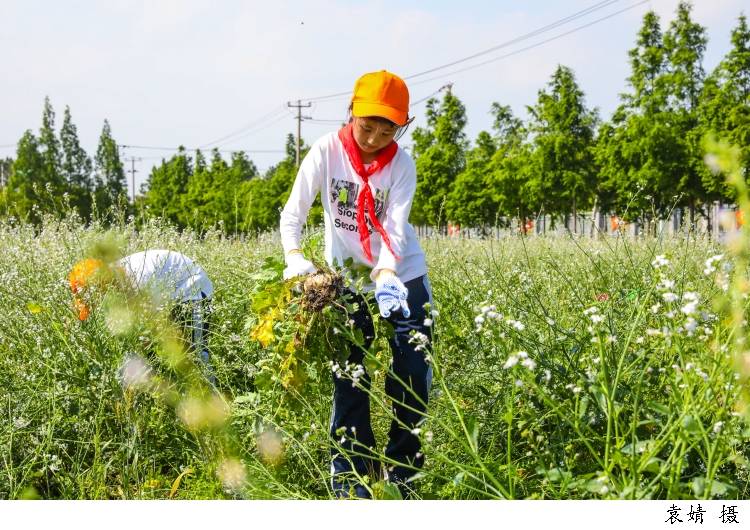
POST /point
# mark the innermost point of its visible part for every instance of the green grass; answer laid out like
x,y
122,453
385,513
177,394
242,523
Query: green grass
x,y
628,400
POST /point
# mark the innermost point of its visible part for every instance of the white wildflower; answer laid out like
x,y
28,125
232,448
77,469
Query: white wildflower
x,y
710,264
511,362
717,427
135,372
529,363
691,325
669,297
660,261
665,285
20,423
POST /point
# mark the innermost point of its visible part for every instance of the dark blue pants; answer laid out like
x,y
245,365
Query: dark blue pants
x,y
351,405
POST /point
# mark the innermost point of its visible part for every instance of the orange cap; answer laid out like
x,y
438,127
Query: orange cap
x,y
381,94
80,277
83,272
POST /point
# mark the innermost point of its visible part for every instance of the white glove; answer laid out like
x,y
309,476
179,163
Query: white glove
x,y
391,294
297,265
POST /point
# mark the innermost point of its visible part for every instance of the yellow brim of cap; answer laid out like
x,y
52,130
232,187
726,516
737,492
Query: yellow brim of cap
x,y
362,109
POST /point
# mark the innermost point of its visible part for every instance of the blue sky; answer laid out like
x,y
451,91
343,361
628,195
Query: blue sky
x,y
183,72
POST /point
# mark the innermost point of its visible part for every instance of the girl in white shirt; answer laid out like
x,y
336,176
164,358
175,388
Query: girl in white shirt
x,y
367,186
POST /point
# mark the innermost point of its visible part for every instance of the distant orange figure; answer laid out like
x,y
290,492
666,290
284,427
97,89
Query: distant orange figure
x,y
454,230
739,218
617,224
614,223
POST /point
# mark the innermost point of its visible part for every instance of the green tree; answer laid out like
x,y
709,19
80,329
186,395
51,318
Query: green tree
x,y
563,131
512,176
76,167
267,196
167,188
685,44
110,185
49,147
725,106
201,191
440,156
469,202
25,194
482,187
639,152
647,68
234,192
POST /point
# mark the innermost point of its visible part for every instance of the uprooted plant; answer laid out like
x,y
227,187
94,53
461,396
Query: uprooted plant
x,y
303,324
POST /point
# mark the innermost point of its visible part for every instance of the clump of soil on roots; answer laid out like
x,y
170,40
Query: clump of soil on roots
x,y
321,289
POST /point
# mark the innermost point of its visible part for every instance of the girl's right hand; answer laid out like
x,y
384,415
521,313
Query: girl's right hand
x,y
297,265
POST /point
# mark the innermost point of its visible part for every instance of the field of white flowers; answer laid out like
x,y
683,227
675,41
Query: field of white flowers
x,y
564,368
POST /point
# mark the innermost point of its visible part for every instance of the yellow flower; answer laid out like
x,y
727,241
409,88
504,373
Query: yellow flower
x,y
263,332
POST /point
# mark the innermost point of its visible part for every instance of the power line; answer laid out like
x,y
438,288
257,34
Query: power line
x,y
322,121
536,45
278,114
246,127
538,31
256,130
447,85
534,33
156,148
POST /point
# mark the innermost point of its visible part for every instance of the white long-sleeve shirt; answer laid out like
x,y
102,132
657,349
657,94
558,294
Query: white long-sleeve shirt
x,y
168,275
326,169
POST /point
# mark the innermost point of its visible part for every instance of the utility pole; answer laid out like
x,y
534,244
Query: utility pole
x,y
132,172
300,117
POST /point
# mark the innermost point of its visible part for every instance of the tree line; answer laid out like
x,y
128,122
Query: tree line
x,y
560,159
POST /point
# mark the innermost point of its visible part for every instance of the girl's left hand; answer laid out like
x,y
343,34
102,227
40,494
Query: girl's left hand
x,y
391,294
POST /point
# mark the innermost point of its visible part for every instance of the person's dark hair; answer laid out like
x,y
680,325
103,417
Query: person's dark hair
x,y
401,128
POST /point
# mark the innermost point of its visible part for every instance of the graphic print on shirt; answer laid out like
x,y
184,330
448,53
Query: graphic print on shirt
x,y
344,195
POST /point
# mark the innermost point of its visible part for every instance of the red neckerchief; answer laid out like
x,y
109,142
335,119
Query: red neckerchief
x,y
365,201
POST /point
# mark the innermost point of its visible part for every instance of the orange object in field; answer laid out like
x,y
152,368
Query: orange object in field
x,y
739,218
614,223
82,273
454,229
81,276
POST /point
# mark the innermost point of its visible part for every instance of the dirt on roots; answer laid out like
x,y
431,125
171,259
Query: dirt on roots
x,y
321,289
